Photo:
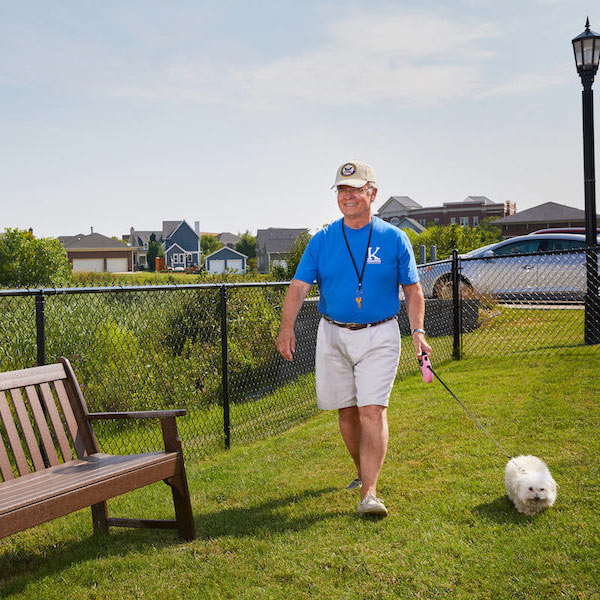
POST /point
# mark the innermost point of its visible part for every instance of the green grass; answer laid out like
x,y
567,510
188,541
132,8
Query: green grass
x,y
274,520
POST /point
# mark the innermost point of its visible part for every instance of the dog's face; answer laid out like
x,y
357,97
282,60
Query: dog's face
x,y
536,490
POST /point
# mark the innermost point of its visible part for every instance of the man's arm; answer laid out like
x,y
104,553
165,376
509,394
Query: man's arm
x,y
286,341
415,308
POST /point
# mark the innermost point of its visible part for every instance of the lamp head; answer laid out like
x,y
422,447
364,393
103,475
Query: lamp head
x,y
586,47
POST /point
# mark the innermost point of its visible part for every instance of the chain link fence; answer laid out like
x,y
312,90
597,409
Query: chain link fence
x,y
211,348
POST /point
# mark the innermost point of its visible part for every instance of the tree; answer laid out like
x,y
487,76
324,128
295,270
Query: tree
x,y
27,261
154,249
209,244
296,252
247,244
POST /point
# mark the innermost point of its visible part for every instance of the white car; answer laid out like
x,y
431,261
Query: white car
x,y
516,269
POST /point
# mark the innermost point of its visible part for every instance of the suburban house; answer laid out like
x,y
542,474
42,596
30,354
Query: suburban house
x,y
96,252
468,213
543,216
180,242
273,246
228,239
225,259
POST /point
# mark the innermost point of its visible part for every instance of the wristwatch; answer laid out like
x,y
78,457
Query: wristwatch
x,y
418,330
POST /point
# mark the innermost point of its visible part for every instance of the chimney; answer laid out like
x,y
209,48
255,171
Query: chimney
x,y
91,230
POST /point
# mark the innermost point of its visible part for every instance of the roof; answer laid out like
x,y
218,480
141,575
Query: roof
x,y
275,239
225,250
168,227
404,201
144,236
92,240
228,238
544,213
407,222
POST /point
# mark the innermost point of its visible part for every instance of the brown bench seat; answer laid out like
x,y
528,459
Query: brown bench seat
x,y
38,487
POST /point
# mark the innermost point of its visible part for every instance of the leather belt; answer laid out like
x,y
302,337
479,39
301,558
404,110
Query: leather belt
x,y
357,326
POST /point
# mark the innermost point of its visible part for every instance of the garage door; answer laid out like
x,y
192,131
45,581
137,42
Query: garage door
x,y
216,266
88,264
116,265
235,265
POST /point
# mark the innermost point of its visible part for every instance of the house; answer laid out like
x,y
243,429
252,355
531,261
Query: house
x,y
549,214
228,239
468,213
97,252
225,259
180,242
273,246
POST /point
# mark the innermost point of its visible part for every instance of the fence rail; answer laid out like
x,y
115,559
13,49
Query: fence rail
x,y
210,348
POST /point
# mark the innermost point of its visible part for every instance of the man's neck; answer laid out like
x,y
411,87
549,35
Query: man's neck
x,y
357,222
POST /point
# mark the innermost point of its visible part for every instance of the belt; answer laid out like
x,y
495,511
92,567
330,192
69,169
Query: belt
x,y
356,326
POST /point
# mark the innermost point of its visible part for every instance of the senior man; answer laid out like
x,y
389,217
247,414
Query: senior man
x,y
358,262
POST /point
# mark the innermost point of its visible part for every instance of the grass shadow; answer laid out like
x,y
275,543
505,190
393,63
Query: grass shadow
x,y
20,568
501,510
263,519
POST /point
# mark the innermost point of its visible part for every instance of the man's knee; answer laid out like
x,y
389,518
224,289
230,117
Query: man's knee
x,y
372,414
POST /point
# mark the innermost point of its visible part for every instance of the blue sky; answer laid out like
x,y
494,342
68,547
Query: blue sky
x,y
236,114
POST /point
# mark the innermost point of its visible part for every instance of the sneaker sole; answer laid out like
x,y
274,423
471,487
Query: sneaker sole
x,y
380,511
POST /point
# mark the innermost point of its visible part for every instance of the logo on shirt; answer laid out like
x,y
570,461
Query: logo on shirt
x,y
372,258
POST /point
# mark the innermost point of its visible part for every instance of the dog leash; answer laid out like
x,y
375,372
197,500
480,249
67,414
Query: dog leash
x,y
425,365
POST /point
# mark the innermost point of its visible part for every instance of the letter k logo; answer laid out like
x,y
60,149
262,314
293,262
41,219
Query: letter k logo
x,y
372,257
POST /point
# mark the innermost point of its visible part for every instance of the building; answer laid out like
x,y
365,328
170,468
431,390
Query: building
x,y
549,214
96,252
228,240
468,213
225,259
273,246
180,242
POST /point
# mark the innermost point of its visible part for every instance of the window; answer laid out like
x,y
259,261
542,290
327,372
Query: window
x,y
423,222
475,221
436,220
561,244
452,220
179,259
518,248
464,221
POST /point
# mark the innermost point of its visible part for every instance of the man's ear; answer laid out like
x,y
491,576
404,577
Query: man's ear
x,y
373,194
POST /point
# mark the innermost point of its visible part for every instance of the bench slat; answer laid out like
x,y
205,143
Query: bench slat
x,y
59,432
27,429
33,376
42,425
13,436
65,478
5,467
61,392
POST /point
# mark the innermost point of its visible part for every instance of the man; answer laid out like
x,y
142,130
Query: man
x,y
358,262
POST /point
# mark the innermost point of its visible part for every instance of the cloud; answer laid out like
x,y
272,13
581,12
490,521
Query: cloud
x,y
525,83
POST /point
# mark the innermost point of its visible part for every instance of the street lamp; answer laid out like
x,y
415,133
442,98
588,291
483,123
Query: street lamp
x,y
586,47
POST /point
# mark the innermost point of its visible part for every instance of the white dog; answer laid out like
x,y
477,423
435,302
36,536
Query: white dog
x,y
529,484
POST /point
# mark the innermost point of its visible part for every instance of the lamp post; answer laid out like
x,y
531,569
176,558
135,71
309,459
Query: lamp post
x,y
586,47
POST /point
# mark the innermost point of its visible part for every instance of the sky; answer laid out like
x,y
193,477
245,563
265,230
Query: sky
x,y
236,114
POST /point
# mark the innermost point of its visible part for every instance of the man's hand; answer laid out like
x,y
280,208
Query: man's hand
x,y
421,345
286,343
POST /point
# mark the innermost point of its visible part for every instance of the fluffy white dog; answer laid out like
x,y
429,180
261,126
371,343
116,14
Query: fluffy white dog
x,y
529,484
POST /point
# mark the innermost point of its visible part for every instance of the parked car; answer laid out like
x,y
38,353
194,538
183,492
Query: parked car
x,y
510,270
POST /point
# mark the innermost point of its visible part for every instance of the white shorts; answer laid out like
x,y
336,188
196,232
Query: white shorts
x,y
356,368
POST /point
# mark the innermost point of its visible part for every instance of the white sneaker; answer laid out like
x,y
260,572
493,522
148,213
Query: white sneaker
x,y
355,483
372,506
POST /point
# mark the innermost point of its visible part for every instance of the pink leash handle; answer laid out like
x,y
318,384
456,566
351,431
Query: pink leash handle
x,y
426,368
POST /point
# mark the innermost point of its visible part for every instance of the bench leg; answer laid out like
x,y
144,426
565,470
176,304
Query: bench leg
x,y
100,517
183,506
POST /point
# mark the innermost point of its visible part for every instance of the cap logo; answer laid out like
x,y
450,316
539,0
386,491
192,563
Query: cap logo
x,y
347,170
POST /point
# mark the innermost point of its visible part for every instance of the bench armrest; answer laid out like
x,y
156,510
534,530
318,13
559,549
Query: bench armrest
x,y
138,414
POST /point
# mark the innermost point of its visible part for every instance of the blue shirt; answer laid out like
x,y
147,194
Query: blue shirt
x,y
390,263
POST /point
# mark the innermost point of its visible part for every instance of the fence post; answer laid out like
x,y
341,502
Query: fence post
x,y
40,327
224,370
456,308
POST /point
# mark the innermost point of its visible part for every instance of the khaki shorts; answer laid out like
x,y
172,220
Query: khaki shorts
x,y
356,368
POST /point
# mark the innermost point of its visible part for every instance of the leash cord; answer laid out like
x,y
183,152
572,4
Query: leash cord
x,y
474,419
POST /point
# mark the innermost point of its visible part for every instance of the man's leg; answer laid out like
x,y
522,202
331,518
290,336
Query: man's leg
x,y
373,445
350,429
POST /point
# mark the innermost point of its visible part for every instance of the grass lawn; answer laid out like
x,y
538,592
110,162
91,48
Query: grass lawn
x,y
274,520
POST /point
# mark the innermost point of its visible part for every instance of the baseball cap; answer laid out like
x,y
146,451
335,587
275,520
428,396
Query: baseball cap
x,y
354,173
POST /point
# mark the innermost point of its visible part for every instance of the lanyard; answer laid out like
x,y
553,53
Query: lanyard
x,y
359,291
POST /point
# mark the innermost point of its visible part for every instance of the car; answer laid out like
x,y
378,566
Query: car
x,y
519,268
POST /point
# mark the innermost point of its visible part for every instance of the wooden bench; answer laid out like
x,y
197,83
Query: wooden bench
x,y
59,468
